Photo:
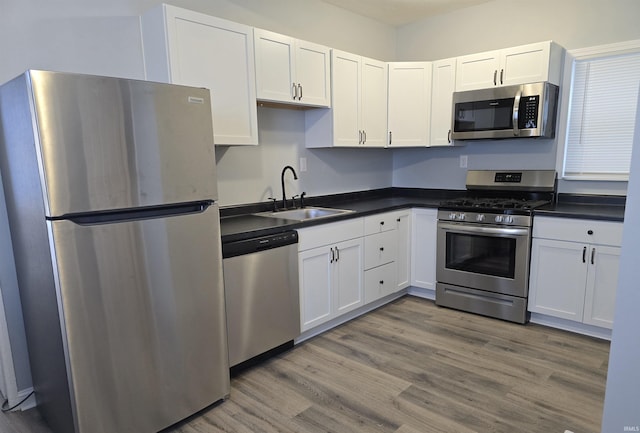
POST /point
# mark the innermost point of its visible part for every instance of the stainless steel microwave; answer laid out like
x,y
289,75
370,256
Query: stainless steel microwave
x,y
526,110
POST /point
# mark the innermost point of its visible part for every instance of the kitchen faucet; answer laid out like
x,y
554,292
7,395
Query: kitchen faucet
x,y
295,176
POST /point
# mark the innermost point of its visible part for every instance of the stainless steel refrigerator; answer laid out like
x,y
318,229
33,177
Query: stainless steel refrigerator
x,y
110,189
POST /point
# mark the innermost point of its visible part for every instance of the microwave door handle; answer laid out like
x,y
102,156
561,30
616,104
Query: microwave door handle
x,y
516,108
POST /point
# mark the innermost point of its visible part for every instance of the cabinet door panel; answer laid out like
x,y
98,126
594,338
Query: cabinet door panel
x,y
423,247
409,103
346,98
444,83
374,102
477,71
602,282
525,64
558,278
315,287
274,66
312,73
348,284
219,57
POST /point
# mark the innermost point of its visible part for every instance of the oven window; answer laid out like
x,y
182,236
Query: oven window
x,y
481,254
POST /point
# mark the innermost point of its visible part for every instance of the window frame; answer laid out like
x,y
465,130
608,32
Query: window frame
x,y
571,56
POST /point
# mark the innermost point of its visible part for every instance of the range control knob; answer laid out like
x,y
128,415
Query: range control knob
x,y
480,217
461,216
499,218
508,219
452,216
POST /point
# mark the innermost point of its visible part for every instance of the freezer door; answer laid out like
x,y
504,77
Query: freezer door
x,y
143,319
108,143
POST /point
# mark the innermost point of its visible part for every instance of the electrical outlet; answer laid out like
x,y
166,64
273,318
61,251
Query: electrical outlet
x,y
303,165
463,161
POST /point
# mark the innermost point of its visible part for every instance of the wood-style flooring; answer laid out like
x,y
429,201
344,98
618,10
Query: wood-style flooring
x,y
412,367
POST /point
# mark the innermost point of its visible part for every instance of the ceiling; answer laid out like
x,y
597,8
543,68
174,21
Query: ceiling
x,y
399,12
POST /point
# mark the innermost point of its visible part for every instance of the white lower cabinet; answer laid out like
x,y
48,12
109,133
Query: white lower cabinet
x,y
330,263
423,248
574,269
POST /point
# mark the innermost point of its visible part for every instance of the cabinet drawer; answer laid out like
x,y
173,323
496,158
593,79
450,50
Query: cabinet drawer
x,y
380,223
578,230
379,282
331,233
379,249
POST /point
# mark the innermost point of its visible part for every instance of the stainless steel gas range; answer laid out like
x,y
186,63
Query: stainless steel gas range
x,y
484,242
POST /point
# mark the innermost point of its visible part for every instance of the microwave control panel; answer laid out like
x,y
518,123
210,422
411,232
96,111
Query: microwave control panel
x,y
528,112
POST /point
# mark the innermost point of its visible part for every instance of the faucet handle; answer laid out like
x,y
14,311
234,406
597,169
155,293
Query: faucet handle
x,y
275,209
302,199
293,200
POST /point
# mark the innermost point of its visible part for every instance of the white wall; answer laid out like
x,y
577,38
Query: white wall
x,y
622,399
499,24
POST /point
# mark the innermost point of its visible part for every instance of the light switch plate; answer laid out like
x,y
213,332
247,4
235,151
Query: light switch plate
x,y
303,164
463,161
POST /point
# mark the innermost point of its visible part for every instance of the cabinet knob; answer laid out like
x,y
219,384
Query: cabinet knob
x,y
398,220
381,223
589,232
381,248
381,281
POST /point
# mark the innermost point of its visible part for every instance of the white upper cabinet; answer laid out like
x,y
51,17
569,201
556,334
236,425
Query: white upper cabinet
x,y
444,83
409,104
190,48
517,65
358,114
291,71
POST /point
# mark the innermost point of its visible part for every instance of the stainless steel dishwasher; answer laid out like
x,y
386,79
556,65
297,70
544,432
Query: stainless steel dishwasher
x,y
262,297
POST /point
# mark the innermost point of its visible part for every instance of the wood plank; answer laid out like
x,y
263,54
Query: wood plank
x,y
411,367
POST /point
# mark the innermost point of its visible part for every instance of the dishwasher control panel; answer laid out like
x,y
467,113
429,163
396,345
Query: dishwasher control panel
x,y
252,245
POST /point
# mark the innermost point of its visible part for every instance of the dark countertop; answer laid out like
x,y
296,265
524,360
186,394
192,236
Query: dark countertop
x,y
239,223
607,208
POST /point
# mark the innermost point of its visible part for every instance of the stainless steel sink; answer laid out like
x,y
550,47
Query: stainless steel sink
x,y
304,214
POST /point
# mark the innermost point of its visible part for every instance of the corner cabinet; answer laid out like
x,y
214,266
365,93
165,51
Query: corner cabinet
x,y
517,65
291,71
330,263
193,49
358,114
574,269
409,104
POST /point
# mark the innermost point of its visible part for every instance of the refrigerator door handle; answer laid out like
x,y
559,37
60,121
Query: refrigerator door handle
x,y
117,216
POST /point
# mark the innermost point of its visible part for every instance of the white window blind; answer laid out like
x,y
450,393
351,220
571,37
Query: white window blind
x,y
602,112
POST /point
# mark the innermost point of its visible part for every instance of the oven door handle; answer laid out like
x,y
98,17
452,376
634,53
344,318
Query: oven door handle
x,y
512,231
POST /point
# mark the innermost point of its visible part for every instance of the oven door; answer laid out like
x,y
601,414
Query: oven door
x,y
484,257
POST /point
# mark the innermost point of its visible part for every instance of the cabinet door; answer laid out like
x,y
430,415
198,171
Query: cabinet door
x,y
312,69
205,51
557,279
602,282
409,104
345,88
374,103
444,83
403,253
524,64
347,281
477,71
423,258
274,66
316,297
